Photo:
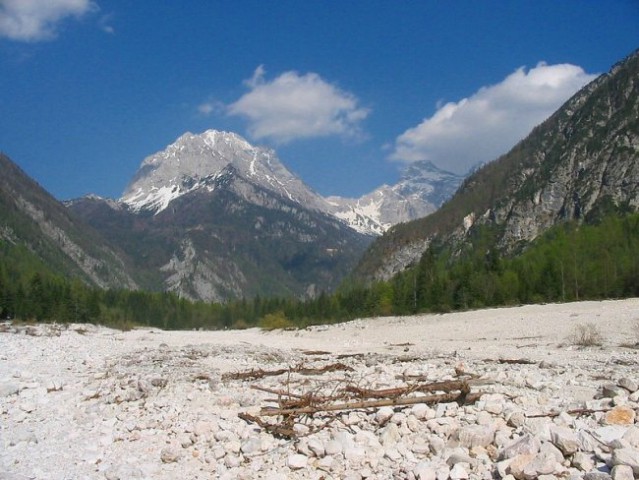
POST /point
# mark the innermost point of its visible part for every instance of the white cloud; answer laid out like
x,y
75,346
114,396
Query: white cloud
x,y
487,124
211,107
294,106
35,20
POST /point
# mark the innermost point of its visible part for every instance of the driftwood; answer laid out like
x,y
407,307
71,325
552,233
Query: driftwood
x,y
259,373
577,411
447,386
516,361
461,397
293,408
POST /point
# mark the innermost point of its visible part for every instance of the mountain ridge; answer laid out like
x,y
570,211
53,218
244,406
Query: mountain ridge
x,y
194,160
581,160
32,218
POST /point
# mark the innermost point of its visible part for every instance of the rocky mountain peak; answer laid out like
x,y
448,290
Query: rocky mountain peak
x,y
194,159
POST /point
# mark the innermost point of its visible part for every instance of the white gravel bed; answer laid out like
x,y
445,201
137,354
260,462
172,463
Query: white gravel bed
x,y
86,402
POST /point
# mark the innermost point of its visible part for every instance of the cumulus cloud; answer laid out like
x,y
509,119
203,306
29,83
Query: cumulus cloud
x,y
487,124
294,106
36,20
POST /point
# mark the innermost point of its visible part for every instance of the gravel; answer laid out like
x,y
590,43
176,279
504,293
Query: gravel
x,y
82,401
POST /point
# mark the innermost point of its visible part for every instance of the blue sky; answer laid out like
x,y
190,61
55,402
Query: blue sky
x,y
346,92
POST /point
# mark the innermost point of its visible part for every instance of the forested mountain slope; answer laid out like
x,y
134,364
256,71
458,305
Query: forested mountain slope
x,y
580,164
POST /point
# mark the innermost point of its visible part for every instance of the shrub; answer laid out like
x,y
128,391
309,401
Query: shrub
x,y
273,321
586,335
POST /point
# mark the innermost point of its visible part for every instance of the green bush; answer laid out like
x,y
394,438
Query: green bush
x,y
274,321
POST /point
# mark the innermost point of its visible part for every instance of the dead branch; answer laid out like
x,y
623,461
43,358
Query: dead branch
x,y
516,361
447,386
259,373
460,397
577,411
315,352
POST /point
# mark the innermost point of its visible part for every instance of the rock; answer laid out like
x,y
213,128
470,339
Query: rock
x,y
516,419
476,436
354,453
622,472
526,444
458,472
421,411
629,384
518,464
458,455
203,428
437,444
9,388
565,439
316,447
550,450
390,435
610,390
632,436
252,446
232,461
542,464
583,461
297,461
619,415
596,476
169,454
383,415
424,471
609,434
333,447
27,407
626,456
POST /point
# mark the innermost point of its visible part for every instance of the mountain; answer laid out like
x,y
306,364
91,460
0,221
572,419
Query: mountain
x,y
421,190
213,218
580,164
193,162
37,229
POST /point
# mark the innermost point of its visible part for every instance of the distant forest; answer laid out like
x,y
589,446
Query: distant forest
x,y
570,262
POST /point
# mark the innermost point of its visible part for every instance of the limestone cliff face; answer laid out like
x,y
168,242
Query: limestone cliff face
x,y
580,163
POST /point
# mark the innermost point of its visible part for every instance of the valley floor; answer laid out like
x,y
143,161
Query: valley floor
x,y
82,401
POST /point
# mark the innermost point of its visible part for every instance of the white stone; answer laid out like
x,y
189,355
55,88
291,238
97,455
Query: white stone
x,y
526,444
333,447
297,461
583,461
458,472
476,436
424,471
622,472
316,447
169,455
626,456
565,439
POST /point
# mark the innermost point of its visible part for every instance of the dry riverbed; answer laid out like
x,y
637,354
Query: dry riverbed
x,y
82,401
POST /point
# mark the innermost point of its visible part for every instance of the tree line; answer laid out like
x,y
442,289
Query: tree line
x,y
569,262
